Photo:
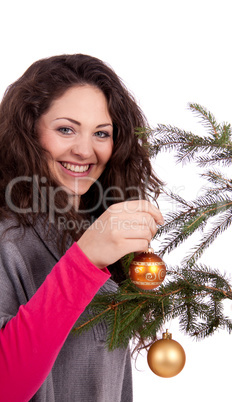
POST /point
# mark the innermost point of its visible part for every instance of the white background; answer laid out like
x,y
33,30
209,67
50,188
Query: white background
x,y
169,53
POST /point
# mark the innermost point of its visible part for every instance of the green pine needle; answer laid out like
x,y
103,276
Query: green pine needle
x,y
192,293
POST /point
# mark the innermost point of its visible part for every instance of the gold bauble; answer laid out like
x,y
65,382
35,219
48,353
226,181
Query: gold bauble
x,y
147,270
166,357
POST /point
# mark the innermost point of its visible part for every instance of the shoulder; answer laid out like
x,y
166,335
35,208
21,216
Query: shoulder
x,y
25,251
26,238
40,239
16,241
12,230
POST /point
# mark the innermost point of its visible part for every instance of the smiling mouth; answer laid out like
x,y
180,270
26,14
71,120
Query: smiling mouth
x,y
75,168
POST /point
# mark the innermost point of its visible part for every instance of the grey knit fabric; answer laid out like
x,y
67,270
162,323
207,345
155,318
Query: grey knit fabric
x,y
85,371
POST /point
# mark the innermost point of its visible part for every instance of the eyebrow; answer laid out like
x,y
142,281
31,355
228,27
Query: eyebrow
x,y
79,124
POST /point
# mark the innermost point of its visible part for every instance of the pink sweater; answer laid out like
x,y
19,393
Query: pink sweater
x,y
31,341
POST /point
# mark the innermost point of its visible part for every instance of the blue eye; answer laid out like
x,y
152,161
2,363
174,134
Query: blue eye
x,y
65,130
102,134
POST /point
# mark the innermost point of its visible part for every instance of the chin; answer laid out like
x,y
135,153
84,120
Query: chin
x,y
75,192
80,187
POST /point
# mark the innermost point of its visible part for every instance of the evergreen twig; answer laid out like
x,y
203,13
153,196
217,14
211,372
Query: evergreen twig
x,y
192,292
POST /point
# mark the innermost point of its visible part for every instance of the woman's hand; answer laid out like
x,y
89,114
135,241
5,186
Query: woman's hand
x,y
123,228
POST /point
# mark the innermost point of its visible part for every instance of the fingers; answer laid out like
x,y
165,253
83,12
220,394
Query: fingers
x,y
131,207
139,246
134,219
139,225
123,228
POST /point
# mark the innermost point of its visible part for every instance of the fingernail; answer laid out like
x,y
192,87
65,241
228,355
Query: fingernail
x,y
161,221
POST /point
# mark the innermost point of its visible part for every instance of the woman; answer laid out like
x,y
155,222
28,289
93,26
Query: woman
x,y
74,184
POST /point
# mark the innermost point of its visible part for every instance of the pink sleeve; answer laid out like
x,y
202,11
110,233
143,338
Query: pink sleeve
x,y
31,341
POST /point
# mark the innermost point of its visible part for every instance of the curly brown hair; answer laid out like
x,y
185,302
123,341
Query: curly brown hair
x,y
22,155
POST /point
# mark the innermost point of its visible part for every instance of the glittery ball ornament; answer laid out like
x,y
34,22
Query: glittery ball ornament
x,y
166,357
147,270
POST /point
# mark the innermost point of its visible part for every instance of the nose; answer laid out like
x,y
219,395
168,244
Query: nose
x,y
83,146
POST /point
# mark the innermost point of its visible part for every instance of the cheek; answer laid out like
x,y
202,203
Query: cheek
x,y
50,150
45,141
49,140
107,152
45,144
52,146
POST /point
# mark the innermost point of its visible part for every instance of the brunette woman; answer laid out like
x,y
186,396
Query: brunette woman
x,y
74,184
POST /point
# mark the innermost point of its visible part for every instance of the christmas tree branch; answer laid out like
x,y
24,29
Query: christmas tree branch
x,y
191,293
209,237
207,117
134,311
193,216
187,145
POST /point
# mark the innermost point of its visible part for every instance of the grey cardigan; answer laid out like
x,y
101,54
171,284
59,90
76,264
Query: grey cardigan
x,y
84,371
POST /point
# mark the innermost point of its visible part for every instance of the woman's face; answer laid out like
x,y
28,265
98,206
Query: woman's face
x,y
77,131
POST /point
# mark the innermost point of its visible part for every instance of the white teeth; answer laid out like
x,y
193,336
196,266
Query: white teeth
x,y
75,168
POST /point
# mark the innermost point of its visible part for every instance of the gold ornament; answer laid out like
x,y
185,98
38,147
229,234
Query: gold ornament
x,y
166,357
147,270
